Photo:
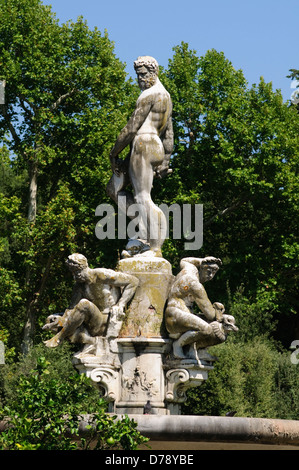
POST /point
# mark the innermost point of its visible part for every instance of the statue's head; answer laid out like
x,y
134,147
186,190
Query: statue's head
x,y
208,268
147,70
229,323
77,263
134,247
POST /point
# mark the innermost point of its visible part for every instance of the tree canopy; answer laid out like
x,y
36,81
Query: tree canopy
x,y
66,97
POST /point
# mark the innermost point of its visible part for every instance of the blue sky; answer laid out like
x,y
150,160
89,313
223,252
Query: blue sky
x,y
258,36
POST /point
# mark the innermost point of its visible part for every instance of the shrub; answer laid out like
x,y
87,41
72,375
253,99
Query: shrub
x,y
286,388
43,407
243,380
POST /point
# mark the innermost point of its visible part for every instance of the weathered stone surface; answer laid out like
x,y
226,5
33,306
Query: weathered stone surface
x,y
132,359
176,432
193,331
96,308
142,375
142,341
145,314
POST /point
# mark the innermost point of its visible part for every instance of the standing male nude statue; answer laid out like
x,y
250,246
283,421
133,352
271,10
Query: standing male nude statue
x,y
149,133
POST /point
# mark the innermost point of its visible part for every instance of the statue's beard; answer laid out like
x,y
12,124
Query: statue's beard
x,y
147,83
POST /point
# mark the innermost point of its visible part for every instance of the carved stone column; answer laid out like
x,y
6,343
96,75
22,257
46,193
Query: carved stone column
x,y
142,375
104,372
143,339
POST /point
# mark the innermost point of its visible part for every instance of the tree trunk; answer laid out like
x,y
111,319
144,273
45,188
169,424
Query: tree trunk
x,y
29,328
32,194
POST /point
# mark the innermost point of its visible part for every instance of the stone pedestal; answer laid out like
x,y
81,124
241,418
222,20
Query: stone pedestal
x,y
138,366
142,375
145,314
143,370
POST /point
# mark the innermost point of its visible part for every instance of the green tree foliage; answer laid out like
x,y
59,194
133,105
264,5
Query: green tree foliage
x,y
253,375
43,407
252,379
286,388
66,98
11,293
236,152
295,76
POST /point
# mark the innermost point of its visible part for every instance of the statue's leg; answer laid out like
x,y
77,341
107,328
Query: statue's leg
x,y
189,326
147,152
115,190
82,336
84,312
188,337
179,320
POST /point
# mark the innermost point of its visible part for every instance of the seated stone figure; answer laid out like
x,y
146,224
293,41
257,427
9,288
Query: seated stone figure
x,y
99,298
182,323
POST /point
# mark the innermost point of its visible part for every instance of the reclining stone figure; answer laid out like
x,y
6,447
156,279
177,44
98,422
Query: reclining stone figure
x,y
99,298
